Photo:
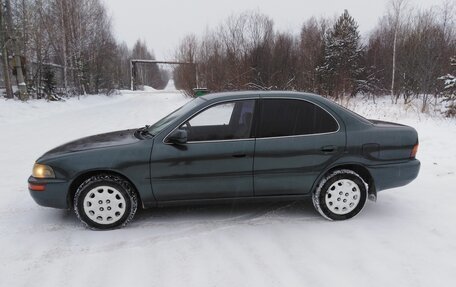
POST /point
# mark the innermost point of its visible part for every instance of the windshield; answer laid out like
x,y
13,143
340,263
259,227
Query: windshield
x,y
164,122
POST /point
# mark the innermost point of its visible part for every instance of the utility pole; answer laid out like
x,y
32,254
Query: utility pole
x,y
3,41
17,58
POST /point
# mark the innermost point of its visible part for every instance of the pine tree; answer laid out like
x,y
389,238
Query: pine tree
x,y
449,92
341,69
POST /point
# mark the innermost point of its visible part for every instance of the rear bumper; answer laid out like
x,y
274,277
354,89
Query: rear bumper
x,y
394,175
53,195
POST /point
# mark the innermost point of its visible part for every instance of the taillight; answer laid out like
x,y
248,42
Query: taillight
x,y
414,151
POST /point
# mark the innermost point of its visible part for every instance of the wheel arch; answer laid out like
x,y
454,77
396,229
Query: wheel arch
x,y
78,180
359,169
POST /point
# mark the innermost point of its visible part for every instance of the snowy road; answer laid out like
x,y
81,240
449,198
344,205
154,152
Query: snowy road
x,y
407,238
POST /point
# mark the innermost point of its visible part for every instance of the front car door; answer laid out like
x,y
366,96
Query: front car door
x,y
296,140
217,160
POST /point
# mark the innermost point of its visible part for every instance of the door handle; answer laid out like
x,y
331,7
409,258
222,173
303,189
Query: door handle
x,y
329,148
239,155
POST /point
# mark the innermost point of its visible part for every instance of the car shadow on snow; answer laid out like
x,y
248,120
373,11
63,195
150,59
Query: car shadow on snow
x,y
229,212
232,213
239,213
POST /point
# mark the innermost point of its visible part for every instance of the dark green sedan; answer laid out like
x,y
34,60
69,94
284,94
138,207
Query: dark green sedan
x,y
230,146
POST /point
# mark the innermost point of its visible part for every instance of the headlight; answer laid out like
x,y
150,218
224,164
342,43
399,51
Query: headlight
x,y
42,171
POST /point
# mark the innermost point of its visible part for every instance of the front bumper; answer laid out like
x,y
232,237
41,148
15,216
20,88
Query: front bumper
x,y
54,193
394,175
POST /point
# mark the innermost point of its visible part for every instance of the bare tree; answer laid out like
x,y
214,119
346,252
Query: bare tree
x,y
185,75
17,55
397,7
3,42
311,53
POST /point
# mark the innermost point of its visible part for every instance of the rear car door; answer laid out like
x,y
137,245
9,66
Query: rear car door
x,y
217,160
296,140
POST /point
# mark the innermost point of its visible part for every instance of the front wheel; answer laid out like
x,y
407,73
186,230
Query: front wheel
x,y
105,202
340,195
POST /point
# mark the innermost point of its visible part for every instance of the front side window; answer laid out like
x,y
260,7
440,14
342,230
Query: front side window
x,y
224,121
288,117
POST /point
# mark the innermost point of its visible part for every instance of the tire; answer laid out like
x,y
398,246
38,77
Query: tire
x,y
105,202
340,195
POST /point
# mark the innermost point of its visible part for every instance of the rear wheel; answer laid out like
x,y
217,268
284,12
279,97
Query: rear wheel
x,y
105,202
340,195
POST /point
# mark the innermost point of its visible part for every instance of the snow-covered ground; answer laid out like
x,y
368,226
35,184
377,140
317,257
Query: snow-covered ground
x,y
407,238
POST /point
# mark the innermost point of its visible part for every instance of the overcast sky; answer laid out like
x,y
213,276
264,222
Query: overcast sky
x,y
163,23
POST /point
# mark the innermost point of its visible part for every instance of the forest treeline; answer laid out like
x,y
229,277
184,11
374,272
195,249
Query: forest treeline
x,y
68,47
405,55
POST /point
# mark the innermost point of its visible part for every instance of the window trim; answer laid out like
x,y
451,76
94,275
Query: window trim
x,y
256,120
294,136
208,107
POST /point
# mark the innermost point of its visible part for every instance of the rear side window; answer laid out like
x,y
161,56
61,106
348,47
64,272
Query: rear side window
x,y
288,117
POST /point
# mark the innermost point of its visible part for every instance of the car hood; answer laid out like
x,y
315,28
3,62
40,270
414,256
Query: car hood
x,y
97,141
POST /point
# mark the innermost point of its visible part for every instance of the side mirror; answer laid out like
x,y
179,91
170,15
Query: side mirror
x,y
178,136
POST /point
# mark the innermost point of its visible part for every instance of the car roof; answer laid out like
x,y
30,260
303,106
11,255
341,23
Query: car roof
x,y
259,93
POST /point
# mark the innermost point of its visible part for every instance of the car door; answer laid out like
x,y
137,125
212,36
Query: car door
x,y
296,140
215,162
